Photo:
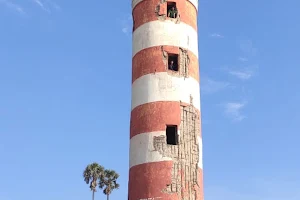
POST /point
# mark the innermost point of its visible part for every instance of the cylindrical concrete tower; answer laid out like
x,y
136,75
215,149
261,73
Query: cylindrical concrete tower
x,y
165,127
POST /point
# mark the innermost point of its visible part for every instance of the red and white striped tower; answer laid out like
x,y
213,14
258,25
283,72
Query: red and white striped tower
x,y
165,127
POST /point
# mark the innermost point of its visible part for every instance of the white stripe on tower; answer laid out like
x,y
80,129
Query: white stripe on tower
x,y
161,97
163,87
141,155
158,33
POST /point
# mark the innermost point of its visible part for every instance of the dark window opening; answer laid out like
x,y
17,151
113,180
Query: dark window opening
x,y
173,62
172,136
133,24
172,10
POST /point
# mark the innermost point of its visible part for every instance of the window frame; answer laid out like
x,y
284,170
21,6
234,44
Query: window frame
x,y
176,136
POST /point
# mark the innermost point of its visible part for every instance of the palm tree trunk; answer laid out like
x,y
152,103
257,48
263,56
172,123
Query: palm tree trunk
x,y
93,194
107,197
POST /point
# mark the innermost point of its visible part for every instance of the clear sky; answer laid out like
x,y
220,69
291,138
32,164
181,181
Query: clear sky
x,y
65,89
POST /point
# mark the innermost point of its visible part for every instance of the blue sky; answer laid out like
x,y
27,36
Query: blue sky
x,y
65,89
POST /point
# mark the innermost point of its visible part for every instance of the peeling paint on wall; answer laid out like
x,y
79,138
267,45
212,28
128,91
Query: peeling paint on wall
x,y
183,63
185,155
163,17
164,55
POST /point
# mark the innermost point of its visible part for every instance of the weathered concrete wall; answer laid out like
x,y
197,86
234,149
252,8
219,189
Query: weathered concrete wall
x,y
183,62
166,171
185,155
162,97
154,10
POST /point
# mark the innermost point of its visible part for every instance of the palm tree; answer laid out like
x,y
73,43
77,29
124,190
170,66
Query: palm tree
x,y
109,182
91,174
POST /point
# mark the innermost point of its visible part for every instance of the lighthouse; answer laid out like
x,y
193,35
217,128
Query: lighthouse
x,y
165,125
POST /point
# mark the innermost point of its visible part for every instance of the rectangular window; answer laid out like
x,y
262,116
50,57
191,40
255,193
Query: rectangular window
x,y
173,62
172,136
172,9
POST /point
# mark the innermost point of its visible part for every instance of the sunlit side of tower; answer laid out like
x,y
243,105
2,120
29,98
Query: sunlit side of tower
x,y
165,126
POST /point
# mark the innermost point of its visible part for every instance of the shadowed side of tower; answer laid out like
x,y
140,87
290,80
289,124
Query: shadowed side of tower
x,y
165,127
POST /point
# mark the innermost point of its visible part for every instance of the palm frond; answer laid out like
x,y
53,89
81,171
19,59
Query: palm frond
x,y
92,173
117,186
109,181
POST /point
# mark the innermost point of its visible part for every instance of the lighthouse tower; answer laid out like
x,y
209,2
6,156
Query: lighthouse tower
x,y
165,126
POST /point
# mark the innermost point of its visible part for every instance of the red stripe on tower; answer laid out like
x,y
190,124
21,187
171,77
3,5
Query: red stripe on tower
x,y
165,127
